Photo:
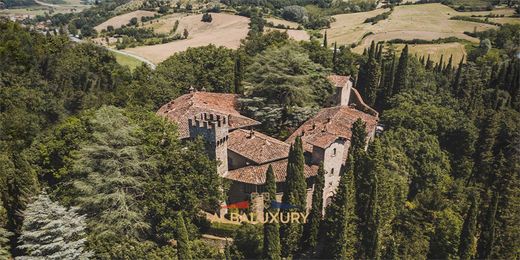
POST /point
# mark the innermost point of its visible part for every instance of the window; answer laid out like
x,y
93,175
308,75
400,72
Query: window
x,y
334,152
332,171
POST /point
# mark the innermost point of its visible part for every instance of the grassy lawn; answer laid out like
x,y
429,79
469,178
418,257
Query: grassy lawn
x,y
125,60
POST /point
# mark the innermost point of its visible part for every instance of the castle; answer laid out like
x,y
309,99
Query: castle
x,y
245,154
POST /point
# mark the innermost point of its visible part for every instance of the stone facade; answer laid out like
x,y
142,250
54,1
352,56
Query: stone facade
x,y
244,155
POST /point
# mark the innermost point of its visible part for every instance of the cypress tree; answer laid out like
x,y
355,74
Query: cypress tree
x,y
469,230
371,82
334,55
449,66
340,221
372,50
325,42
487,235
183,243
238,75
401,75
295,194
272,248
456,80
366,203
312,227
422,60
440,65
429,63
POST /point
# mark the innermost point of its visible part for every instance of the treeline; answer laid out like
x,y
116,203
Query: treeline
x,y
379,17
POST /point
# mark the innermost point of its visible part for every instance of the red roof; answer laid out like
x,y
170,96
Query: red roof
x,y
338,81
255,174
190,105
330,123
256,146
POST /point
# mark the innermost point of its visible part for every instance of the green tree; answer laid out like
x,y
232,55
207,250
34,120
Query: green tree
x,y
367,202
271,248
469,230
312,228
183,243
486,241
208,67
340,233
111,170
51,231
295,194
401,73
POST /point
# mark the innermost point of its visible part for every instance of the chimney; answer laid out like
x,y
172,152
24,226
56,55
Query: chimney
x,y
251,134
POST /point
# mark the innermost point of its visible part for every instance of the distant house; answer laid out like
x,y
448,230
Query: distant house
x,y
245,154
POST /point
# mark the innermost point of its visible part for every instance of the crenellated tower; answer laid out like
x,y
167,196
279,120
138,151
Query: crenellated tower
x,y
214,129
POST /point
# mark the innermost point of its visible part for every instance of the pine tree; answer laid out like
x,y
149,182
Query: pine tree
x,y
401,75
469,229
111,170
295,194
272,248
340,222
183,243
313,225
51,231
238,75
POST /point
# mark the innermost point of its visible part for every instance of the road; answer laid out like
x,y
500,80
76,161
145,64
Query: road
x,y
149,63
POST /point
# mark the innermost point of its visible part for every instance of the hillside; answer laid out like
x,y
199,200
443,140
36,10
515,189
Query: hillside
x,y
426,21
225,30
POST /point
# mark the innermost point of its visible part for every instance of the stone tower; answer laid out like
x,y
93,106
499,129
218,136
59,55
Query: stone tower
x,y
343,93
214,129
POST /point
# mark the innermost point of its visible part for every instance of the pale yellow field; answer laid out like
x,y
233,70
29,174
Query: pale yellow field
x,y
499,11
436,50
225,30
123,19
425,21
504,20
277,21
298,35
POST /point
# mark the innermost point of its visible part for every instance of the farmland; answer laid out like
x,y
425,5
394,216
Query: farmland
x,y
225,30
427,21
121,20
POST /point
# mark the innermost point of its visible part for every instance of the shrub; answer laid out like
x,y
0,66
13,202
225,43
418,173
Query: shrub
x,y
207,18
295,13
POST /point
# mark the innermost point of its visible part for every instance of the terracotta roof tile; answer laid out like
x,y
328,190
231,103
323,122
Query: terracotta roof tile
x,y
193,104
329,122
256,174
257,147
338,81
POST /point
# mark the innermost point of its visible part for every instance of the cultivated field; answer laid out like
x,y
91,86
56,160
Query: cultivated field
x,y
436,50
277,21
426,21
299,35
120,20
225,30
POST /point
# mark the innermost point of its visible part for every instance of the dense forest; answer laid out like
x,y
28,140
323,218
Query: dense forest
x,y
88,170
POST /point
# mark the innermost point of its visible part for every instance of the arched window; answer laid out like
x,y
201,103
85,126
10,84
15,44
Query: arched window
x,y
332,171
334,152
